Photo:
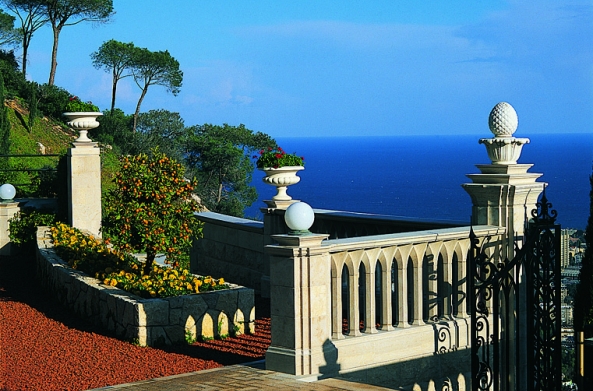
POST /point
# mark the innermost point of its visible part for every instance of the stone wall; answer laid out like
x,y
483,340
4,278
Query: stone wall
x,y
450,371
233,248
149,322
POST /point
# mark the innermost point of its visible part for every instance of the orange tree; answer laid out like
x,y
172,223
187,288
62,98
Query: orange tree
x,y
151,208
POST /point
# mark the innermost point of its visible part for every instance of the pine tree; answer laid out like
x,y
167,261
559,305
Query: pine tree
x,y
4,127
583,301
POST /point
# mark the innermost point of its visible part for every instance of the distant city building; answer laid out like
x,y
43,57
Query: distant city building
x,y
571,272
563,293
565,247
567,315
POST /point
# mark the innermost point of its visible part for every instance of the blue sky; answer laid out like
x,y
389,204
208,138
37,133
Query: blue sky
x,y
348,68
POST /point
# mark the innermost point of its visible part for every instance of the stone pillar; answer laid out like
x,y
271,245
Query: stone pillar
x,y
84,186
7,211
273,225
300,285
503,194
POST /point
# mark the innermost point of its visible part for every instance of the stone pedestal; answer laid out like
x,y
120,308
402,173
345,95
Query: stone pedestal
x,y
300,306
84,187
7,211
504,195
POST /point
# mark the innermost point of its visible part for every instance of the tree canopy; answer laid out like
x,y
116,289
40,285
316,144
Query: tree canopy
x,y
163,129
220,158
63,13
115,57
151,208
32,17
8,34
155,68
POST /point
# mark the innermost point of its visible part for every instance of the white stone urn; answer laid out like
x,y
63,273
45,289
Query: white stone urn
x,y
503,148
82,121
281,177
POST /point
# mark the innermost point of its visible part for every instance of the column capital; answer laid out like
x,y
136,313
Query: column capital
x,y
306,241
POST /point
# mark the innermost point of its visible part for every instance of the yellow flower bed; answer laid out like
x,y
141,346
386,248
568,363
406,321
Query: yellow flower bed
x,y
122,270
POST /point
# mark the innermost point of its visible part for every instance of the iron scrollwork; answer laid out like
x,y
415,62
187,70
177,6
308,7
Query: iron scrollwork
x,y
501,315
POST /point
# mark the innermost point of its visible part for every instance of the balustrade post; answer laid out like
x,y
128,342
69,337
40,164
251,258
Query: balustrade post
x,y
354,302
403,319
336,294
447,295
370,316
386,299
402,297
462,288
418,293
301,308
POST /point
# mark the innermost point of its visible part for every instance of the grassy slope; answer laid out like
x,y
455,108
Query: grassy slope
x,y
55,136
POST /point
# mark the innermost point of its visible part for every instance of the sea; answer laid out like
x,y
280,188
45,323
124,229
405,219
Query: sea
x,y
421,176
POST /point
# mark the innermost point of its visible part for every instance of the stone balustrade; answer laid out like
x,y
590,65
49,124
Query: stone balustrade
x,y
149,322
395,301
234,247
393,281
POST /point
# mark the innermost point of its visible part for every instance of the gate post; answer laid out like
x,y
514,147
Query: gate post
x,y
503,194
84,186
300,287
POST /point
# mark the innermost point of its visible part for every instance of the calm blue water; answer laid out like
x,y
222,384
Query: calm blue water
x,y
421,176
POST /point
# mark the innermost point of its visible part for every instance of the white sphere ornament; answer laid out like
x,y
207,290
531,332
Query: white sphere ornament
x,y
299,217
503,120
7,192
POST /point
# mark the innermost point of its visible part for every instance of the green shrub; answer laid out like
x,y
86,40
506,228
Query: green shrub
x,y
14,80
115,130
53,100
76,105
23,226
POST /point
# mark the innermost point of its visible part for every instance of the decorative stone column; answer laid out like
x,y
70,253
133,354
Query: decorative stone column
x,y
84,181
300,306
504,194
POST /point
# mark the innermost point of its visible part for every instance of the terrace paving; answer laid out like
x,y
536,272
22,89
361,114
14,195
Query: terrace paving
x,y
250,377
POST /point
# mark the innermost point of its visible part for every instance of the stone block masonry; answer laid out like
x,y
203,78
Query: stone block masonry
x,y
149,322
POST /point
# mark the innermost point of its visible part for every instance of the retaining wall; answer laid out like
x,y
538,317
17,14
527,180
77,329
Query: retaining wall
x,y
149,322
231,247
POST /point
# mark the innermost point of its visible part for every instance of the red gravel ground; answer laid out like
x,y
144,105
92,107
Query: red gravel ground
x,y
45,347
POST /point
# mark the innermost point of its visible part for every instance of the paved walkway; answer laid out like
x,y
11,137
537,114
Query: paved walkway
x,y
238,377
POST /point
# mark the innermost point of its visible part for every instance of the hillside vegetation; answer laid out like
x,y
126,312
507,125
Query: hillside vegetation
x,y
46,136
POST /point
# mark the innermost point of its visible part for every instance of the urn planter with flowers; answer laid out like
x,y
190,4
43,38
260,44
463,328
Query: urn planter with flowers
x,y
281,170
81,116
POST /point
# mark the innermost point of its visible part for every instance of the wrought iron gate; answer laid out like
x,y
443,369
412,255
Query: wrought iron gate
x,y
515,314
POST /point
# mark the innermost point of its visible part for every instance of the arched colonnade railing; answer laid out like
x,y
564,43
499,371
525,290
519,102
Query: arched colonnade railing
x,y
390,282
